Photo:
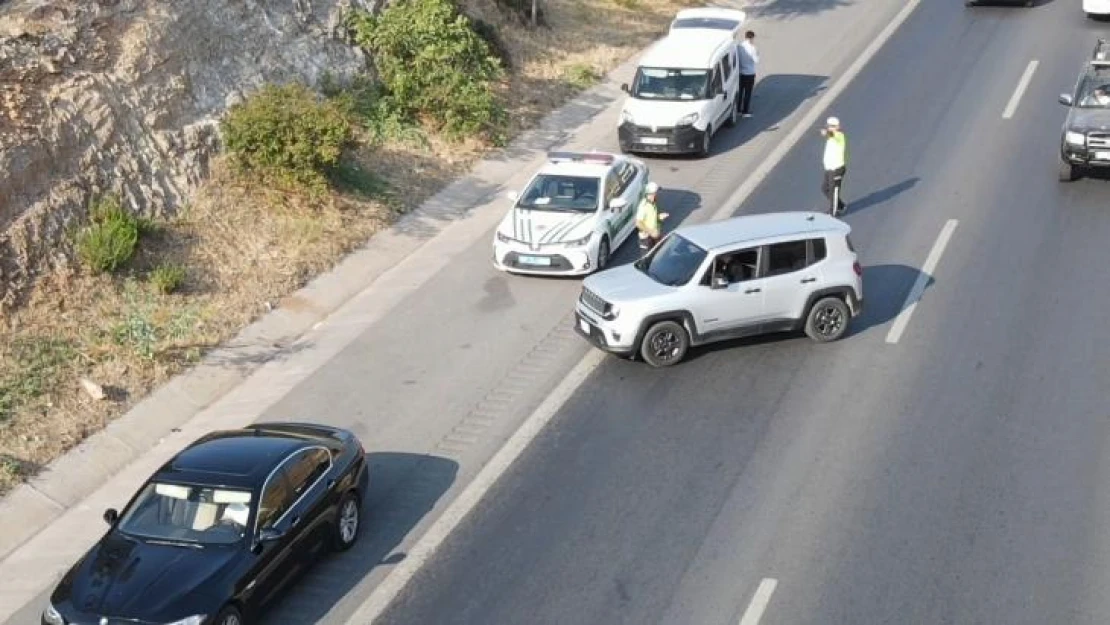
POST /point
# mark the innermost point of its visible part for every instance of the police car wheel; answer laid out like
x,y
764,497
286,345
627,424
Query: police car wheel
x,y
664,344
603,253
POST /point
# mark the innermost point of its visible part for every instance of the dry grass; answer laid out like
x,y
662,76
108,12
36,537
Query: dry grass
x,y
242,246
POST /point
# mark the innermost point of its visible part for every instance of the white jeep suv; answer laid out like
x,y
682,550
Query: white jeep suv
x,y
747,275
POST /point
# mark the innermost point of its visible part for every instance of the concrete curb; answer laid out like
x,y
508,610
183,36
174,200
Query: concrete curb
x,y
69,479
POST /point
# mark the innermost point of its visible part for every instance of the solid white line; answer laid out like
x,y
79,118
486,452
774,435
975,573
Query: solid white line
x,y
922,281
390,587
426,546
806,124
759,602
1012,105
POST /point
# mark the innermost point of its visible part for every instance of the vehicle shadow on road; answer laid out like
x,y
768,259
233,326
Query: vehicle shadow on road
x,y
404,487
885,289
878,197
788,9
679,204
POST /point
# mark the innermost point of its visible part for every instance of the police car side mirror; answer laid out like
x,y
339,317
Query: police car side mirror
x,y
1065,99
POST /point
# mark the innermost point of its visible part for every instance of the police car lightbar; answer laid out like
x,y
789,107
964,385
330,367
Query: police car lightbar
x,y
602,158
1101,55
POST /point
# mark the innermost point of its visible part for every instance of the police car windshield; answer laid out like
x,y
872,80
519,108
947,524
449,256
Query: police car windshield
x,y
674,262
658,83
1094,93
569,194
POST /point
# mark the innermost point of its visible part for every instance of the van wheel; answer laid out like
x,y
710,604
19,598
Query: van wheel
x,y
1068,172
664,344
733,116
704,149
827,320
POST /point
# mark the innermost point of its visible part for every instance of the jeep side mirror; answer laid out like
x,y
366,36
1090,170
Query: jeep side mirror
x,y
1065,99
617,203
718,282
111,516
513,196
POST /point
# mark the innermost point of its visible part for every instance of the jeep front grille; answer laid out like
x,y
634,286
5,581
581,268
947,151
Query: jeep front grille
x,y
594,302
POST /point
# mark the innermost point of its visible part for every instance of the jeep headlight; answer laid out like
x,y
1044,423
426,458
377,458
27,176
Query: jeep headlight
x,y
1075,138
687,120
626,117
579,242
52,616
612,312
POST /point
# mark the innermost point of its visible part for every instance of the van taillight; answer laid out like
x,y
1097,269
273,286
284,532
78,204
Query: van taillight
x,y
856,268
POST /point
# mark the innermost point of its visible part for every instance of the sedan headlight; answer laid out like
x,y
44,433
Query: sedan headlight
x,y
195,619
52,616
1075,138
579,242
687,120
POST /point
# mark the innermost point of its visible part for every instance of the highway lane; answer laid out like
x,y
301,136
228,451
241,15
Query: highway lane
x,y
953,477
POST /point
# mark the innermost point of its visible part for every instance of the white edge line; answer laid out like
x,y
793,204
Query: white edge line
x,y
1023,84
394,583
806,123
759,602
425,547
923,277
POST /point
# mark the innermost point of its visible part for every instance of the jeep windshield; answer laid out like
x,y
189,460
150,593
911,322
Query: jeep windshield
x,y
674,262
1094,92
659,83
568,194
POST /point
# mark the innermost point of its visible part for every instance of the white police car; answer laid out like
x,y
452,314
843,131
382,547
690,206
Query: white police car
x,y
574,212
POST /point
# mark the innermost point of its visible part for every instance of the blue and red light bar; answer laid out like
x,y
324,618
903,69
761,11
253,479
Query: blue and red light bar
x,y
601,158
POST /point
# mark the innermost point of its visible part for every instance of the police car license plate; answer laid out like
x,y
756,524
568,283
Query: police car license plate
x,y
1102,156
542,261
654,140
585,326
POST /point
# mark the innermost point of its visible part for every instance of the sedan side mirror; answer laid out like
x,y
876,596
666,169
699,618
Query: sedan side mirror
x,y
719,282
111,516
1066,99
269,534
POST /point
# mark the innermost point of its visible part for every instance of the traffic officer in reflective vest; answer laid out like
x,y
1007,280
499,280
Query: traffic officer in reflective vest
x,y
835,162
648,218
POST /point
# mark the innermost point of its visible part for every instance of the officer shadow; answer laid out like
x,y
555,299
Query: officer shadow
x,y
679,204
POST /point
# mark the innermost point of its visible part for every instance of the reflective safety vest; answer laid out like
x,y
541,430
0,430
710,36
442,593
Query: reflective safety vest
x,y
647,218
836,151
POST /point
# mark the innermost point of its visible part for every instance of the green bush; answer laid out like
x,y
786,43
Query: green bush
x,y
109,241
581,76
166,279
288,133
367,105
433,65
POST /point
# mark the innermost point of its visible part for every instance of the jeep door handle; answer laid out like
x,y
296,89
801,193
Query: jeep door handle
x,y
805,280
753,290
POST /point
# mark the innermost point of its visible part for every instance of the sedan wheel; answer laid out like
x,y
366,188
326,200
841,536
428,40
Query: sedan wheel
x,y
347,522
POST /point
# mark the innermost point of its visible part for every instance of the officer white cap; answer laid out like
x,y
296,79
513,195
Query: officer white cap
x,y
832,121
651,188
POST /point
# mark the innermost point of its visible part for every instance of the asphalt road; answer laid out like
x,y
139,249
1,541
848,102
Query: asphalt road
x,y
952,476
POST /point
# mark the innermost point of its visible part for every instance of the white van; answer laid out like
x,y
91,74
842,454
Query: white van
x,y
686,85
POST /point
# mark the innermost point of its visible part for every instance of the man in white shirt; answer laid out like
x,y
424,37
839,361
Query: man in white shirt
x,y
749,57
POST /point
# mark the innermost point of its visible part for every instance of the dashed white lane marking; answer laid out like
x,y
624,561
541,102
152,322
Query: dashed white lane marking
x,y
1023,84
759,602
922,281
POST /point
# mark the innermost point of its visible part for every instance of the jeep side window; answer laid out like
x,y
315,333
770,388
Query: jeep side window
x,y
786,257
817,251
734,266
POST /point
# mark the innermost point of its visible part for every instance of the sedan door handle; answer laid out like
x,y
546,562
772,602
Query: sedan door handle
x,y
805,280
753,290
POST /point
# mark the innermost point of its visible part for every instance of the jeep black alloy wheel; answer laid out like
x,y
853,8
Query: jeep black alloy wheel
x,y
828,320
664,344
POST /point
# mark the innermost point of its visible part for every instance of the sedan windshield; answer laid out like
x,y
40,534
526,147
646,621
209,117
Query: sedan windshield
x,y
189,514
654,83
674,262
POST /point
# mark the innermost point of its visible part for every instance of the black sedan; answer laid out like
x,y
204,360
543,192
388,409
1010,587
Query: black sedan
x,y
220,529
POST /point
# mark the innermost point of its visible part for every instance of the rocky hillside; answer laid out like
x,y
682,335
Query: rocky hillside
x,y
122,96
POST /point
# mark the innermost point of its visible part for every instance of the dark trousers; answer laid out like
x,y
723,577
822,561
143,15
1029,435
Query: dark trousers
x,y
744,97
833,180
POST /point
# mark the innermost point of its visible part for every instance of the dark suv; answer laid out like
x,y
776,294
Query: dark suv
x,y
1085,139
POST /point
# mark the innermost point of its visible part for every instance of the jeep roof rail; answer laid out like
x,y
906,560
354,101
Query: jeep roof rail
x,y
593,156
1101,56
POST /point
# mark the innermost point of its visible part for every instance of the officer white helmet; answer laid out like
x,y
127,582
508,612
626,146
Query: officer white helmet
x,y
832,122
651,188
